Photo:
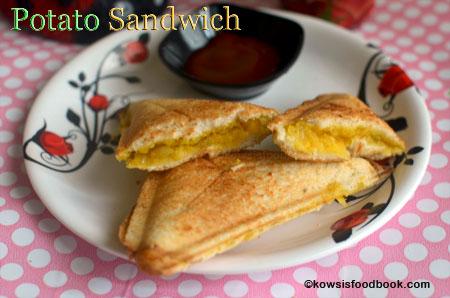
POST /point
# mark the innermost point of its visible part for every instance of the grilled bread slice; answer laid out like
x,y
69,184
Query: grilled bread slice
x,y
164,133
334,127
207,206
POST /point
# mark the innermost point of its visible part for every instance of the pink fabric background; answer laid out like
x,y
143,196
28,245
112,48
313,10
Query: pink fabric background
x,y
39,257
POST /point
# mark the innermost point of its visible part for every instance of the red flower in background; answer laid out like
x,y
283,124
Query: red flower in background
x,y
54,144
352,220
135,52
98,102
394,80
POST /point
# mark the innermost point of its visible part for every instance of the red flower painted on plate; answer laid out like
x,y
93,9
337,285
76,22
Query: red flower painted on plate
x,y
394,80
135,52
98,102
54,144
352,220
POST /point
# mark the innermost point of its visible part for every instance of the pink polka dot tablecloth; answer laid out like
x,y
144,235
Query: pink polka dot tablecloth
x,y
41,258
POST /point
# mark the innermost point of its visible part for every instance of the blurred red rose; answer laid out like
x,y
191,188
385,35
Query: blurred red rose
x,y
54,144
351,220
394,80
98,102
135,52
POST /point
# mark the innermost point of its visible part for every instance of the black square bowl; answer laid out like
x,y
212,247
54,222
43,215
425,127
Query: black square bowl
x,y
284,35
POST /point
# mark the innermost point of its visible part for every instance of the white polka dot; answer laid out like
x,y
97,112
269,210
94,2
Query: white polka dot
x,y
170,277
65,244
391,236
434,233
443,124
304,273
440,56
426,178
5,137
445,27
7,178
328,261
82,265
235,288
41,55
438,161
442,190
14,114
445,217
382,17
20,192
144,288
416,31
72,293
55,279
390,49
105,256
27,290
409,57
100,285
5,100
13,83
370,255
409,220
189,288
375,292
435,38
53,65
431,115
422,49
11,271
427,66
329,293
415,74
281,290
412,12
22,237
350,272
429,19
125,271
415,252
440,268
436,138
11,53
369,27
25,94
386,34
422,292
15,151
399,24
433,84
395,6
427,205
33,74
396,271
39,258
444,74
33,207
2,200
404,41
3,250
439,104
4,71
49,225
9,217
260,276
441,7
22,62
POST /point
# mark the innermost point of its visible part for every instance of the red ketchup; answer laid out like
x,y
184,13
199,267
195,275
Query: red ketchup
x,y
233,59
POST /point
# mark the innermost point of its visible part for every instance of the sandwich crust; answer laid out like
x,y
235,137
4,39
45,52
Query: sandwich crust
x,y
206,206
170,120
334,113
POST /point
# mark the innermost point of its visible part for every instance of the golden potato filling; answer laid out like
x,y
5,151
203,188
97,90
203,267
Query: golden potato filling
x,y
226,138
336,140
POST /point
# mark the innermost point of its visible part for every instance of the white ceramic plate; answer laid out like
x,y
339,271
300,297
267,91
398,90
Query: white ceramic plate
x,y
86,189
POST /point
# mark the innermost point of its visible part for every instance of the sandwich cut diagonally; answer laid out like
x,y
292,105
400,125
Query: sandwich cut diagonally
x,y
163,133
334,127
209,205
